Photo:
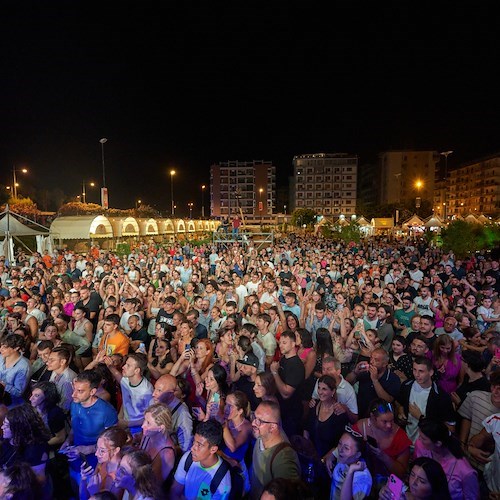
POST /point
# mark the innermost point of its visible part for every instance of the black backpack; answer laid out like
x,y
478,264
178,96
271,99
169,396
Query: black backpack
x,y
237,477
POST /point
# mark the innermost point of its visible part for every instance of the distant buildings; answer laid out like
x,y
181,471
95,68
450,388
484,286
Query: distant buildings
x,y
246,185
474,188
325,182
407,175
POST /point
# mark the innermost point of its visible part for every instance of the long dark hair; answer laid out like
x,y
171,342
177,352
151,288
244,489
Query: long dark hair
x,y
26,426
142,472
436,477
220,376
437,431
324,344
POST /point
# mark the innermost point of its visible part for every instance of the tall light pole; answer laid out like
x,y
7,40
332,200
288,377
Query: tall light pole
x,y
190,205
203,201
418,199
260,204
14,178
445,197
84,192
137,204
104,189
172,173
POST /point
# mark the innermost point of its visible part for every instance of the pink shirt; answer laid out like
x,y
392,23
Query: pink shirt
x,y
462,478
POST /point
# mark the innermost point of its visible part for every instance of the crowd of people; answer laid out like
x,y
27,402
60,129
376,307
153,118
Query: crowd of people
x,y
309,368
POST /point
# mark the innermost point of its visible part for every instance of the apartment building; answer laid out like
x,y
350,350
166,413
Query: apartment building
x,y
325,182
246,185
475,188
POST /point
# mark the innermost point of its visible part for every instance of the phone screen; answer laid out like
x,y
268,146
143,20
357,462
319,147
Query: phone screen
x,y
187,347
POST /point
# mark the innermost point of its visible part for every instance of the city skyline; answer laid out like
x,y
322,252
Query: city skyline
x,y
183,91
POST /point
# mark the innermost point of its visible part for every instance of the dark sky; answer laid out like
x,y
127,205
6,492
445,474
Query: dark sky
x,y
183,89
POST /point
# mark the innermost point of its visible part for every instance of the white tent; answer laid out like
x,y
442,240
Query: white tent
x,y
81,227
11,229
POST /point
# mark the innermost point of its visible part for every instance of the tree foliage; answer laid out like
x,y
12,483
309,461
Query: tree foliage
x,y
303,216
23,206
464,238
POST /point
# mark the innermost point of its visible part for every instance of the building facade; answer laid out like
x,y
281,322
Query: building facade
x,y
407,175
249,186
475,188
325,182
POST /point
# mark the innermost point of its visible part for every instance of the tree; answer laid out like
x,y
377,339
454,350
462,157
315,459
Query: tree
x,y
303,216
464,238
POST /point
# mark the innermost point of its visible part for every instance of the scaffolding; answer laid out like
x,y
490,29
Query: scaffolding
x,y
245,238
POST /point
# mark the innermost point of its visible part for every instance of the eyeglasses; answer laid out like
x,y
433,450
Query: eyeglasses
x,y
258,421
351,431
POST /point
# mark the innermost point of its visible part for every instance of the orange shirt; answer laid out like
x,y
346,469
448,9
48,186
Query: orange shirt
x,y
115,344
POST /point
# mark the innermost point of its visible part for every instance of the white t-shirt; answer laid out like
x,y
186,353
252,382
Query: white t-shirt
x,y
424,306
345,395
135,398
269,343
197,480
492,469
418,396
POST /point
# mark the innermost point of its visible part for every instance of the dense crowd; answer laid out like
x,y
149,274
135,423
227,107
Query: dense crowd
x,y
306,369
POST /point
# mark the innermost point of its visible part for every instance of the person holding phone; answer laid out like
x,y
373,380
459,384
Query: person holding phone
x,y
427,482
217,389
108,452
388,446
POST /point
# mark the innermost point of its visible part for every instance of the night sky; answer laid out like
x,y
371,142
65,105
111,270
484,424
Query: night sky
x,y
182,90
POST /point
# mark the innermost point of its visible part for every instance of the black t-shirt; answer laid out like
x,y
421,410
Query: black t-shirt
x,y
244,384
292,373
165,317
141,335
366,394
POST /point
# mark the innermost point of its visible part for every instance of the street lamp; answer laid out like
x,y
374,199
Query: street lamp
x,y
445,154
260,204
418,199
14,179
203,201
84,193
172,173
104,192
190,205
137,203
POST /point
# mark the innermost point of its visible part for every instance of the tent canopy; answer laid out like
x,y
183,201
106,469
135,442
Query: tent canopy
x,y
414,220
80,227
434,222
383,223
9,223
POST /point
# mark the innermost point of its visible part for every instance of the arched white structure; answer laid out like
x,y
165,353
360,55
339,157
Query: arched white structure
x,y
148,227
165,226
80,227
180,226
191,227
125,226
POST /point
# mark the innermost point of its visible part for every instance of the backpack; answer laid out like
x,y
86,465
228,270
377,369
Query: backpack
x,y
237,477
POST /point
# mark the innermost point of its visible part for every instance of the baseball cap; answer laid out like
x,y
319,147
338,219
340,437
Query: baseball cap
x,y
20,303
250,359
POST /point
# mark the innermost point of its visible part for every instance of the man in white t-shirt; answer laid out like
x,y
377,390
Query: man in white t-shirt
x,y
266,337
425,304
200,473
137,391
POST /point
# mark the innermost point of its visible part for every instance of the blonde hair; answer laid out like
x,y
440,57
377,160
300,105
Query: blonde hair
x,y
162,416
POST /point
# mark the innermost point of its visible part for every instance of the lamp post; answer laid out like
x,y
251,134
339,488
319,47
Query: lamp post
x,y
104,190
418,199
203,201
137,203
14,178
190,205
260,204
172,173
445,196
84,192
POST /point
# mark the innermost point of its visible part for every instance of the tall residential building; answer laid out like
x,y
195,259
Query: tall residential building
x,y
407,175
475,188
326,183
249,185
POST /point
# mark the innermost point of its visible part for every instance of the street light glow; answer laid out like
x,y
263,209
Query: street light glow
x,y
419,184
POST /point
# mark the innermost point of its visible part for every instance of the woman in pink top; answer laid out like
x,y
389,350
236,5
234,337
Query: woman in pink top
x,y
447,364
435,441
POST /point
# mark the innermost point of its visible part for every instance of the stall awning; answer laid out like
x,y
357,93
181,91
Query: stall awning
x,y
78,227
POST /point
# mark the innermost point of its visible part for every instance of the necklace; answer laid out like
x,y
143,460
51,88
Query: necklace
x,y
239,425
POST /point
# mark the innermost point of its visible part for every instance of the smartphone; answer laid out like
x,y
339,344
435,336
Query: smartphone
x,y
83,458
395,486
187,347
371,441
216,398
